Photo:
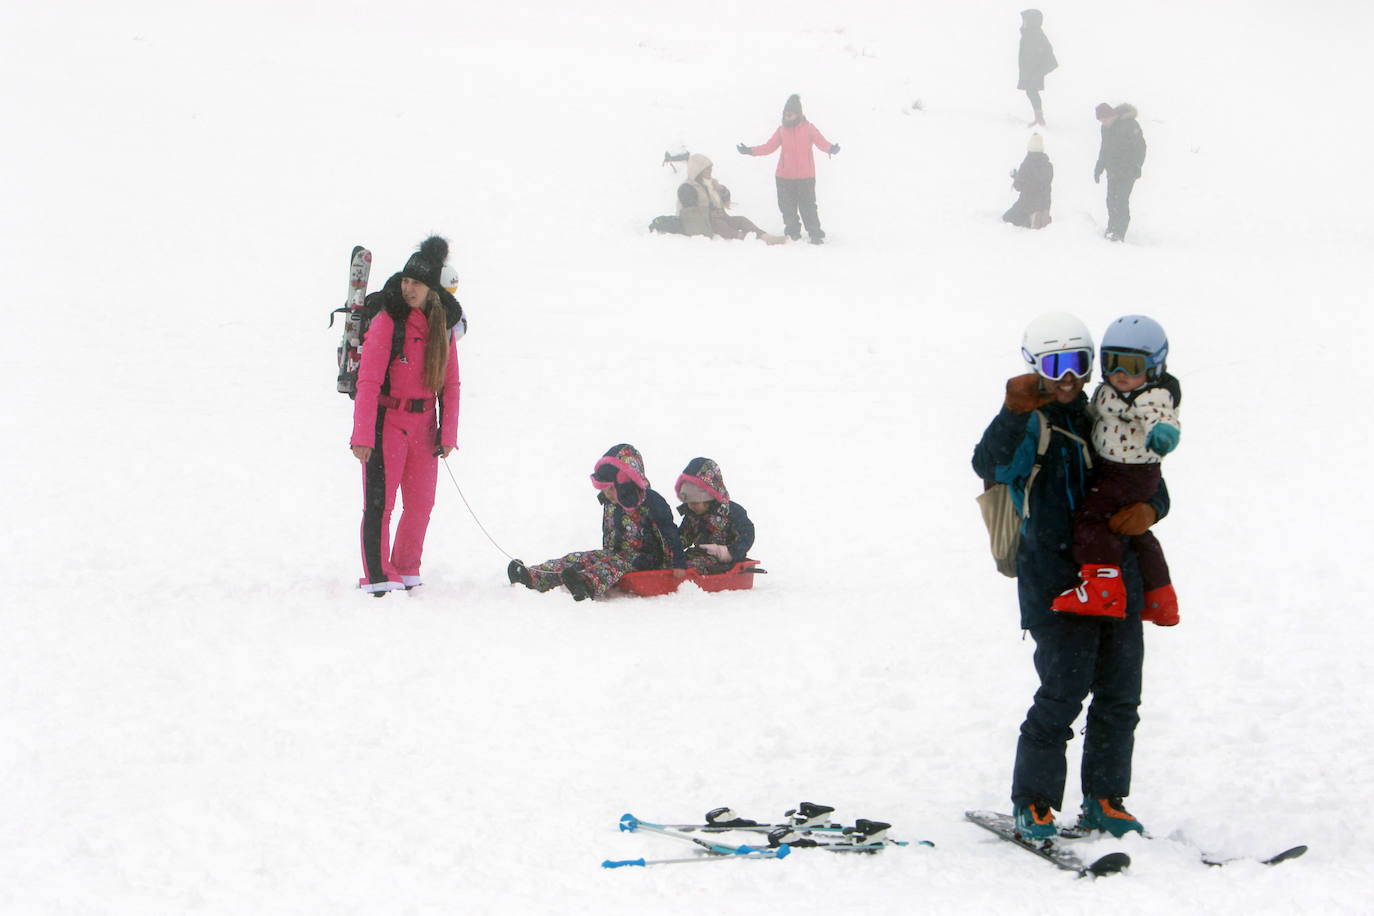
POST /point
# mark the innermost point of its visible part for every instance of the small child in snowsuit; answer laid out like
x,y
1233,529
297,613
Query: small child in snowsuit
x,y
796,173
1032,179
1135,412
637,533
716,532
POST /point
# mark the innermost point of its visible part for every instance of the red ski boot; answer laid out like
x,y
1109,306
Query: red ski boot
x,y
1161,606
1099,594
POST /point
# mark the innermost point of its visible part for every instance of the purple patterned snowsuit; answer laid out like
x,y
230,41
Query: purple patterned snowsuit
x,y
724,523
640,537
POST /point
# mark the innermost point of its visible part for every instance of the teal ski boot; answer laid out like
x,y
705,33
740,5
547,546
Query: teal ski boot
x,y
1035,821
1110,815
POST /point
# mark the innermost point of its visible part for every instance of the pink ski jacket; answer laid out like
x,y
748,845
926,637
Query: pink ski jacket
x,y
797,159
407,380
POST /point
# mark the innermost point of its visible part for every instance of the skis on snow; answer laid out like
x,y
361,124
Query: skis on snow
x,y
1058,850
1051,850
807,826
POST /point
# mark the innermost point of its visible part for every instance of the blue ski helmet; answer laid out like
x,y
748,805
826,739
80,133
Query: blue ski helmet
x,y
1139,336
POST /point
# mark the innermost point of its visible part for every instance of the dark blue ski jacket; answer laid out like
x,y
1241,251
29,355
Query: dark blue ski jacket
x,y
1045,565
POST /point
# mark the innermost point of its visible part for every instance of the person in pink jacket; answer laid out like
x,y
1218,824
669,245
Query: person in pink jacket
x,y
405,415
796,175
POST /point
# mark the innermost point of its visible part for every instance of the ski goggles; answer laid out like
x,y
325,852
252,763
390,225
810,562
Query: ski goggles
x,y
1130,362
1060,363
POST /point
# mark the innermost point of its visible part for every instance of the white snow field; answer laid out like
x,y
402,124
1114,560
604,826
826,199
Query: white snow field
x,y
200,713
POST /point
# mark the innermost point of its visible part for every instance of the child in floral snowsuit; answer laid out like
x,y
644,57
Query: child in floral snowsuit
x,y
637,533
716,532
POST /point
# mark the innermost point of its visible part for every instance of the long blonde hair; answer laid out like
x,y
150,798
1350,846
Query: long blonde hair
x,y
436,347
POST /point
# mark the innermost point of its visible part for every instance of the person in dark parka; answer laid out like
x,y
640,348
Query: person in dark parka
x,y
1032,178
1121,156
1074,655
1035,59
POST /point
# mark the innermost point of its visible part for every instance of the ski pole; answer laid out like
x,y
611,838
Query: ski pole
x,y
470,512
779,853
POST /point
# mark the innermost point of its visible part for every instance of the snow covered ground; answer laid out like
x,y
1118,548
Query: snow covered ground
x,y
201,714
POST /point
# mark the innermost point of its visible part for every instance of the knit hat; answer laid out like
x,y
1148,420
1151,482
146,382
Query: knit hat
x,y
1104,111
426,264
793,105
1036,144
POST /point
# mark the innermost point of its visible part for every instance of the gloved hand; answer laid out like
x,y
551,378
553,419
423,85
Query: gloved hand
x,y
1025,393
719,552
1133,519
1097,176
745,150
1163,439
834,148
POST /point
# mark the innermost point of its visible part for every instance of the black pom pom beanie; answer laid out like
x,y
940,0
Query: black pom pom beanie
x,y
426,264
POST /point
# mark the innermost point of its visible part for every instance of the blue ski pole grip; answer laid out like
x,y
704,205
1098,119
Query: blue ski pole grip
x,y
628,823
613,863
784,851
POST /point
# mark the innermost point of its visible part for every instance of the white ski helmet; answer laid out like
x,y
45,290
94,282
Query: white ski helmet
x,y
448,279
1136,345
1057,343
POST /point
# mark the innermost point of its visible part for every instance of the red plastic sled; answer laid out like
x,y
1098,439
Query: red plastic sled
x,y
652,582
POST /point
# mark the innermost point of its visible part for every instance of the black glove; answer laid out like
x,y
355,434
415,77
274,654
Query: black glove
x,y
834,148
745,150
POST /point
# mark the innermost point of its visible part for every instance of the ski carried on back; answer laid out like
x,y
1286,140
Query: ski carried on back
x,y
1057,853
351,344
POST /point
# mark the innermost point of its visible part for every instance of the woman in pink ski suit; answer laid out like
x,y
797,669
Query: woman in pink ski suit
x,y
405,415
796,175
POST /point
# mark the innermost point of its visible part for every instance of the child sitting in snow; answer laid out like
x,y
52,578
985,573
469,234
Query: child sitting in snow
x,y
637,533
1135,412
716,532
1032,179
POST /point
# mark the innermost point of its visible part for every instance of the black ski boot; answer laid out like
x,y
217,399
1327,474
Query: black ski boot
x,y
518,574
577,585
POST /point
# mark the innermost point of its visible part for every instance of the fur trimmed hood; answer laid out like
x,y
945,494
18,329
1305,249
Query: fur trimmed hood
x,y
703,474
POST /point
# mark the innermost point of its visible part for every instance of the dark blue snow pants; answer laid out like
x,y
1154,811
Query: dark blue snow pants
x,y
1075,656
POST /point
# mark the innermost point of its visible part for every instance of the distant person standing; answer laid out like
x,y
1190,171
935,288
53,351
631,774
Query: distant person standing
x,y
1121,156
796,175
1032,178
1035,59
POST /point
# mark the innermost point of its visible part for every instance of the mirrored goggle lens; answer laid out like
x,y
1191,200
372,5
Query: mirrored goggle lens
x,y
1117,361
1057,365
